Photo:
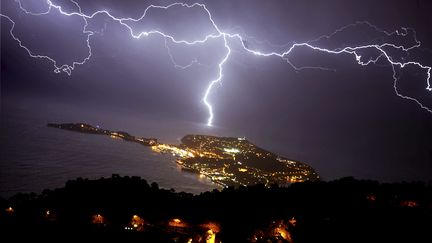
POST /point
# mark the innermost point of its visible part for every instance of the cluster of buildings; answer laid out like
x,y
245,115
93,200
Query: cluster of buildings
x,y
231,161
183,231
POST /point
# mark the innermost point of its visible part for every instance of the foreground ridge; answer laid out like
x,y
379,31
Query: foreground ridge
x,y
127,209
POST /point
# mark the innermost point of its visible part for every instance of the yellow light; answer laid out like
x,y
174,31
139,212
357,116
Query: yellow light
x,y
211,237
231,150
177,220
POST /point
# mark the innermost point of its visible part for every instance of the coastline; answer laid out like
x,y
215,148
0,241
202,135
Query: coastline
x,y
188,169
226,161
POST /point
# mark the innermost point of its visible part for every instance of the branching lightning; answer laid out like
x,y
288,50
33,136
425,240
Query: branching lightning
x,y
217,33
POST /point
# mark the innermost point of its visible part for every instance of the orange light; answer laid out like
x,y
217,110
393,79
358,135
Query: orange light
x,y
136,223
98,219
177,223
214,227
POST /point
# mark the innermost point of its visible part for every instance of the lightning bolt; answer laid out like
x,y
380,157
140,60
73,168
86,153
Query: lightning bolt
x,y
217,33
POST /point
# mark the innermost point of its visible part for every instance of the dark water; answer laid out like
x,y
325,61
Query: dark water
x,y
35,157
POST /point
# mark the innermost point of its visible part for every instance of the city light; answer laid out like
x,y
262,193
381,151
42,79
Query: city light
x,y
218,158
98,219
231,150
10,210
164,148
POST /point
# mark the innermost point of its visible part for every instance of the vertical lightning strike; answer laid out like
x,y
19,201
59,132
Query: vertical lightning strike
x,y
217,33
212,83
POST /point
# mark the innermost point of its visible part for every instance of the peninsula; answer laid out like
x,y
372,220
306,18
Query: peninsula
x,y
227,161
86,128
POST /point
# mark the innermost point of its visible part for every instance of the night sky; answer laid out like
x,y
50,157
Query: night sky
x,y
344,121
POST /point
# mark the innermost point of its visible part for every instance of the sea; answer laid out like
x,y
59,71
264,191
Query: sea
x,y
34,157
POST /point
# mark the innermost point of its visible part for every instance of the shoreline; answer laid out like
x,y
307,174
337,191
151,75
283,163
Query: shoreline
x,y
225,161
196,172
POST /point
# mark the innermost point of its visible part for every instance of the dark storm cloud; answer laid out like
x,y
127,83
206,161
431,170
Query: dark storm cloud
x,y
342,122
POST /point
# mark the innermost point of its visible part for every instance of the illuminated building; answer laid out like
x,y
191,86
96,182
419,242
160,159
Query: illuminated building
x,y
136,223
98,219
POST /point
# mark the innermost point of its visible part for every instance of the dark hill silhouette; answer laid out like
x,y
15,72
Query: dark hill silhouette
x,y
127,209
